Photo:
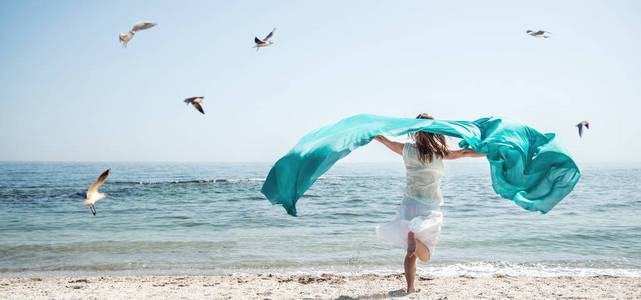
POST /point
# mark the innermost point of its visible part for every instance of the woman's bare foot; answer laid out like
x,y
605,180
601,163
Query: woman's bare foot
x,y
413,290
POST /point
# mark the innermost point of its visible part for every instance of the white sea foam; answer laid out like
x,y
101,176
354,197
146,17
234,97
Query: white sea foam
x,y
515,269
475,269
478,269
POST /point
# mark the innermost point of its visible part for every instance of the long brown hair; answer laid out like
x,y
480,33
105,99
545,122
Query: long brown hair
x,y
429,144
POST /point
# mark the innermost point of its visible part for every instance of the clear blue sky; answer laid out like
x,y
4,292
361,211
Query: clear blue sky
x,y
71,92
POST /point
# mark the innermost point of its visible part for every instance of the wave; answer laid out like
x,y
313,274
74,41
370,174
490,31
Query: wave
x,y
108,246
142,182
222,180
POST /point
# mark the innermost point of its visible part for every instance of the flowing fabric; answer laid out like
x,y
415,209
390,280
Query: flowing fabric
x,y
533,169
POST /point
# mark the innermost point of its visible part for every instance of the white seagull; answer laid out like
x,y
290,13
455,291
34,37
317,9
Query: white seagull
x,y
581,125
539,33
92,196
264,42
126,37
195,101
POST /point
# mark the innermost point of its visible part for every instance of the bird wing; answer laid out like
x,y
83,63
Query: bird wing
x,y
189,100
99,182
257,40
540,32
587,125
580,125
137,27
270,35
199,108
142,26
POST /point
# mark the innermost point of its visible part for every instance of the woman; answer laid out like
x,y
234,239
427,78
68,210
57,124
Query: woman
x,y
418,220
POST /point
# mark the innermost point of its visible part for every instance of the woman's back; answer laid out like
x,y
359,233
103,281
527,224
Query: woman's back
x,y
423,179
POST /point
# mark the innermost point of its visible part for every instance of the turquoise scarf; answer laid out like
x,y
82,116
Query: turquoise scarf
x,y
533,169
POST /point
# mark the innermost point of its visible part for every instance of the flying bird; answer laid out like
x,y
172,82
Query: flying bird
x,y
92,196
539,33
581,125
126,37
195,101
264,42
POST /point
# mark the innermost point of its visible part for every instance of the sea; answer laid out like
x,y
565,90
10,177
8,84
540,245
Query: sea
x,y
179,218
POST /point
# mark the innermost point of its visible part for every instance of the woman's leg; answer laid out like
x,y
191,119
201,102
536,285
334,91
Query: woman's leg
x,y
422,252
410,262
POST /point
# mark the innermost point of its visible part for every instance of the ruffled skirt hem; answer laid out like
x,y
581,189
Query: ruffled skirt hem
x,y
425,221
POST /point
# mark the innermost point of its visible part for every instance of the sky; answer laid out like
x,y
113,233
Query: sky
x,y
70,92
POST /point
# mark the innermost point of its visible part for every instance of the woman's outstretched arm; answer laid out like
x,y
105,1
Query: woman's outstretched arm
x,y
456,154
394,146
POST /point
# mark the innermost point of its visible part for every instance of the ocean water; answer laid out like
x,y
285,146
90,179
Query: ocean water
x,y
210,218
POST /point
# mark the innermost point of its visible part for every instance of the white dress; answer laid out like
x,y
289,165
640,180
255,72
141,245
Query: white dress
x,y
419,210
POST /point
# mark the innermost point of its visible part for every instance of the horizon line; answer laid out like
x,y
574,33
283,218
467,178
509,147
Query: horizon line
x,y
259,162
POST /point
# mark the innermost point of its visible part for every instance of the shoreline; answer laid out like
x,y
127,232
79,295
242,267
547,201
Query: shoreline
x,y
473,269
325,286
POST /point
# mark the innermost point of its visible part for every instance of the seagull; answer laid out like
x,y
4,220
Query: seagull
x,y
126,37
264,42
92,196
539,33
581,125
195,101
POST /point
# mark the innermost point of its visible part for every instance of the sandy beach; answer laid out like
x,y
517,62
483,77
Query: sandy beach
x,y
267,286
